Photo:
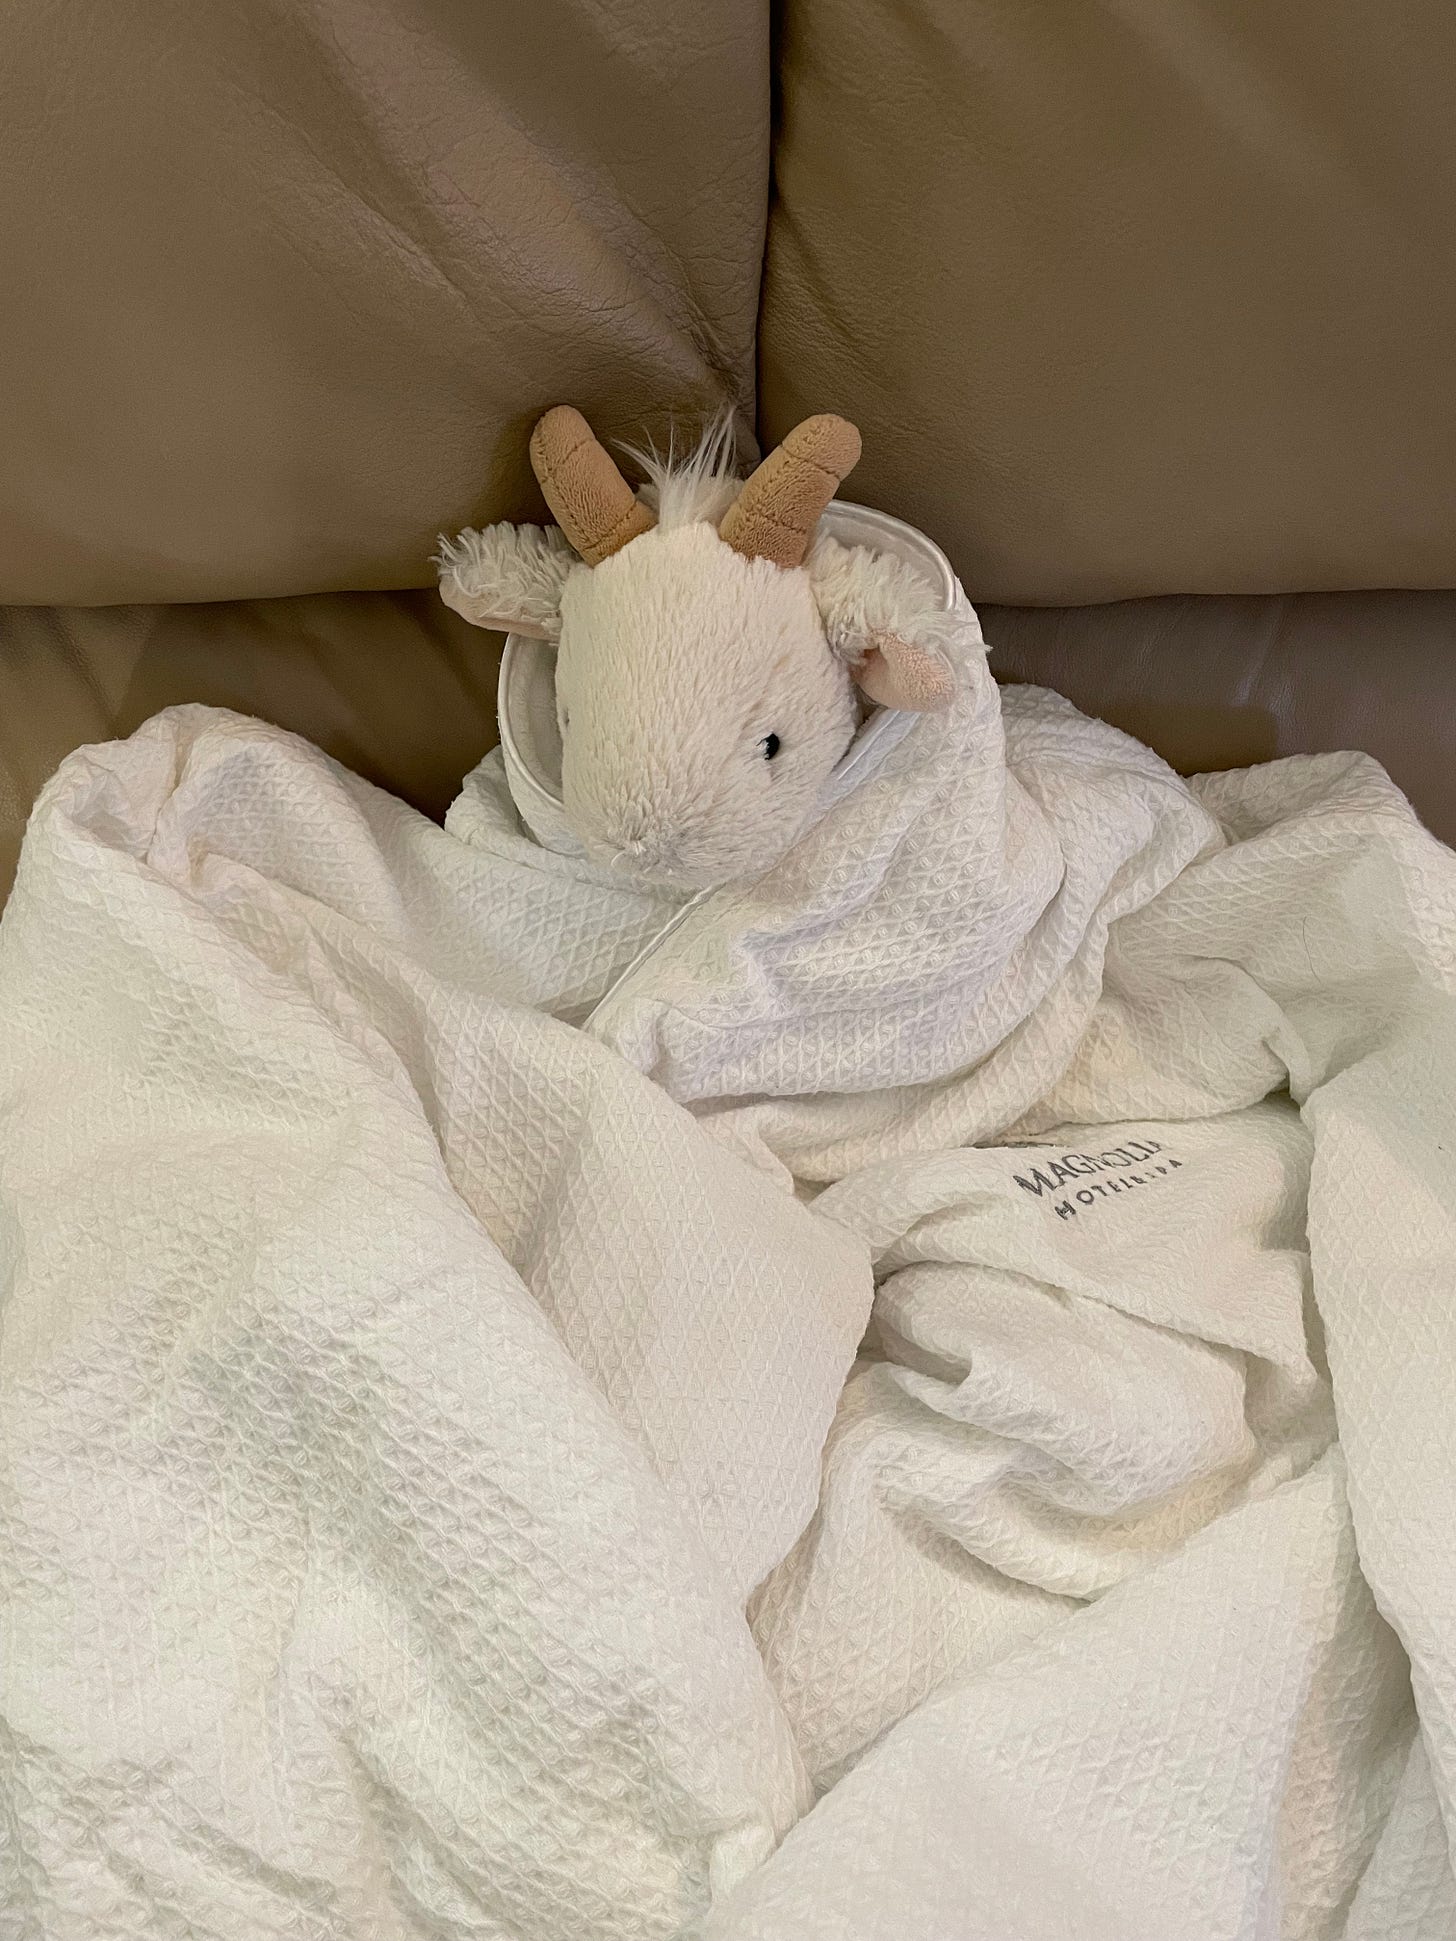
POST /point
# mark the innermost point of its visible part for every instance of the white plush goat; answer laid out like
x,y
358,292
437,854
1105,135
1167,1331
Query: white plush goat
x,y
708,645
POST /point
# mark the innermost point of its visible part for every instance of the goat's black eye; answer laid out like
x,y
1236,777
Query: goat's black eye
x,y
770,746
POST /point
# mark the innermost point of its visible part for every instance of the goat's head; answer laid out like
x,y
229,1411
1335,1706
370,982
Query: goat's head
x,y
708,647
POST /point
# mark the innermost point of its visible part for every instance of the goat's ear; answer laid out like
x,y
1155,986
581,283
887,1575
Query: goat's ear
x,y
884,622
897,672
507,577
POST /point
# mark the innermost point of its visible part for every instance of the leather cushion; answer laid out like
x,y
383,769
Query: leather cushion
x,y
1223,683
1133,298
394,685
288,281
402,690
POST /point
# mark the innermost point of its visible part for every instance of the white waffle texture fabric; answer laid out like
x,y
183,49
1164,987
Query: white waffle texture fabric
x,y
911,1401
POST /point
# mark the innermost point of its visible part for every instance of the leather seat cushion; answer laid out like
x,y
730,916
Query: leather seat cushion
x,y
394,685
400,689
1222,683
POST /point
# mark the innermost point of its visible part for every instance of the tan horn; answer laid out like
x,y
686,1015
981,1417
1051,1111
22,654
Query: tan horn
x,y
592,503
776,511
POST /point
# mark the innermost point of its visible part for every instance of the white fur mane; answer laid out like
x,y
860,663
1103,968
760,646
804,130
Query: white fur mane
x,y
685,491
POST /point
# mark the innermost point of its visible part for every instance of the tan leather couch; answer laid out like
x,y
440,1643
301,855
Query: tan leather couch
x,y
1133,303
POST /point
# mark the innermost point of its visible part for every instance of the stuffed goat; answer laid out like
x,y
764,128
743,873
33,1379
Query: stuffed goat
x,y
709,646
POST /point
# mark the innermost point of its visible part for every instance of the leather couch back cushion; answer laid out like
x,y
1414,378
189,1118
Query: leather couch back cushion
x,y
286,281
1128,296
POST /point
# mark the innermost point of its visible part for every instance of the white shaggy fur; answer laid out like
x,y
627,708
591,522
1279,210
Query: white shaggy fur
x,y
509,577
862,594
704,698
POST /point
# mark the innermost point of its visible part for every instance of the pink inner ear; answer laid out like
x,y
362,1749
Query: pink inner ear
x,y
896,673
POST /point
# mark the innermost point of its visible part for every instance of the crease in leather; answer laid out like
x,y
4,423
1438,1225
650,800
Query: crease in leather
x,y
297,285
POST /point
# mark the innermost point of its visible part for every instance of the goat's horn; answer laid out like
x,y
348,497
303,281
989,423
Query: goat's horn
x,y
778,507
593,504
